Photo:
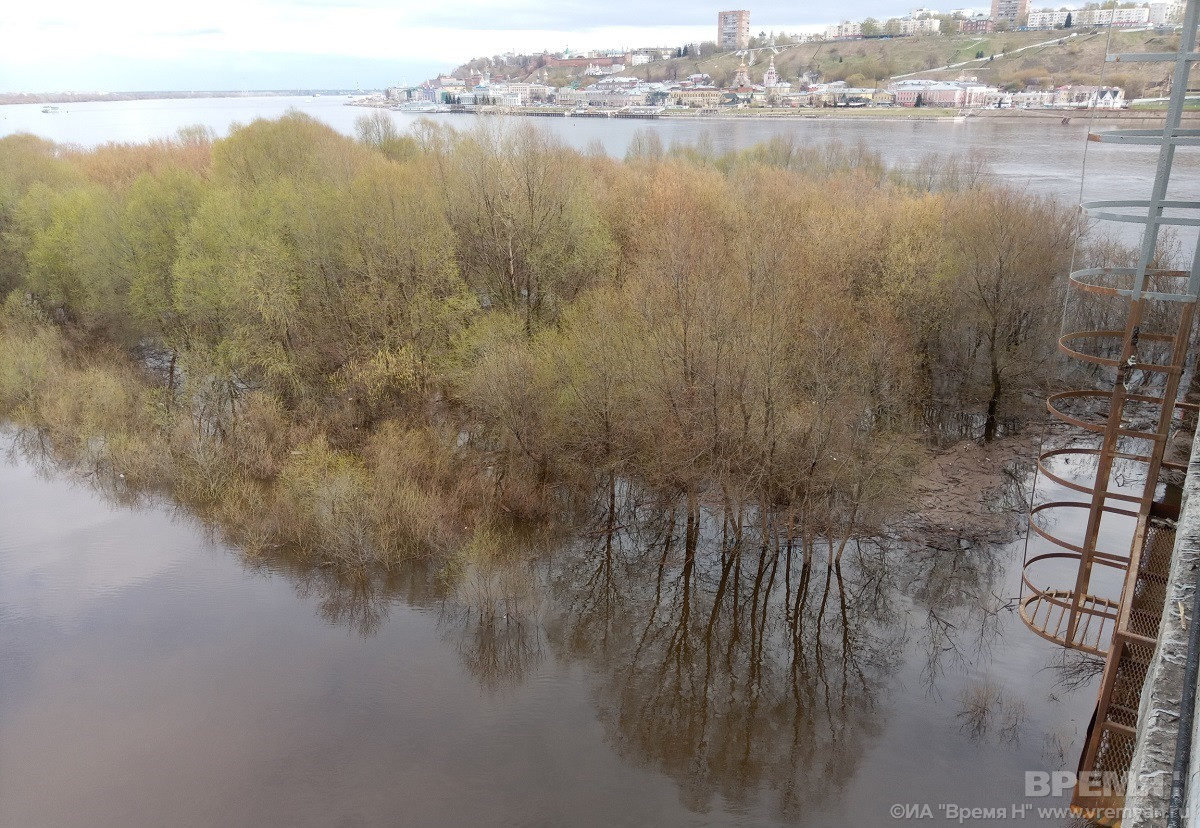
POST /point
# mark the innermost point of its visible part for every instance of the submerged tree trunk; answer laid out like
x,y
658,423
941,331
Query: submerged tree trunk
x,y
993,406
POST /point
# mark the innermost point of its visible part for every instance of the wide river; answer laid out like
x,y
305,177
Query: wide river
x,y
152,675
1044,156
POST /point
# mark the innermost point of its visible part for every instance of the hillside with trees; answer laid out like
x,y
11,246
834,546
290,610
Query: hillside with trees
x,y
1078,59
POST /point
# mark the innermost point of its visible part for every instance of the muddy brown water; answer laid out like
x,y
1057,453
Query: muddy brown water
x,y
151,675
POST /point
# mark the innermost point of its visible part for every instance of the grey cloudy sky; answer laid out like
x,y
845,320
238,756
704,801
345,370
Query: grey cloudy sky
x,y
272,44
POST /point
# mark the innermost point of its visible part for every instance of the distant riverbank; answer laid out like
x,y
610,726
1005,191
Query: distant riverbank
x,y
11,98
1046,116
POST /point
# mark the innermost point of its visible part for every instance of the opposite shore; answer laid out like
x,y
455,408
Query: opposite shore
x,y
1046,116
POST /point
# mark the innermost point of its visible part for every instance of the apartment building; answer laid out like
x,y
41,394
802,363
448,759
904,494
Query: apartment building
x,y
733,29
1049,19
846,28
1012,12
1112,17
918,25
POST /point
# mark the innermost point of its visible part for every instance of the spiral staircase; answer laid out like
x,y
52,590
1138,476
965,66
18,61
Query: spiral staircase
x,y
1091,593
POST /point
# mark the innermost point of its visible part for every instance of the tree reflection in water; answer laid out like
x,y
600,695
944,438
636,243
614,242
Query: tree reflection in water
x,y
495,615
357,599
711,669
738,668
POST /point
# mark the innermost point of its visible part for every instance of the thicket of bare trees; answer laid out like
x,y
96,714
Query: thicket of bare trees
x,y
361,346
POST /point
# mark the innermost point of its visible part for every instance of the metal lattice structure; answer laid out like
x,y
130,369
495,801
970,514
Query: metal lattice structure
x,y
1130,423
1113,730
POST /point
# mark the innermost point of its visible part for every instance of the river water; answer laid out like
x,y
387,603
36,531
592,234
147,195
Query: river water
x,y
1045,156
151,674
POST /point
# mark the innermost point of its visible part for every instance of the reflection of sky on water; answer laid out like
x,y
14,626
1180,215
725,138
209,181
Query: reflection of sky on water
x,y
44,576
171,682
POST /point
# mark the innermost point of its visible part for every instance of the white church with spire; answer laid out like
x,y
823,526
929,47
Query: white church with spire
x,y
772,84
771,77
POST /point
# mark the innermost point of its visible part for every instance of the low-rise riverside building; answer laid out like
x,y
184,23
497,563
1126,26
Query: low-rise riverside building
x,y
523,93
1031,99
699,97
608,98
971,94
776,93
950,94
1089,97
839,94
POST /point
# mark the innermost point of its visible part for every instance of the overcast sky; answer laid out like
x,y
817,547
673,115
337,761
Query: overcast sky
x,y
73,45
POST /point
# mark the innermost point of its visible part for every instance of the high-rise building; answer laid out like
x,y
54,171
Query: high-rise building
x,y
1013,12
733,29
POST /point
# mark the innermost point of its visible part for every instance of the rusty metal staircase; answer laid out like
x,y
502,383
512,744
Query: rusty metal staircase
x,y
1112,734
1108,602
1132,429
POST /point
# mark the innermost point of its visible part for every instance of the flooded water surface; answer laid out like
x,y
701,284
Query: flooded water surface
x,y
640,672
